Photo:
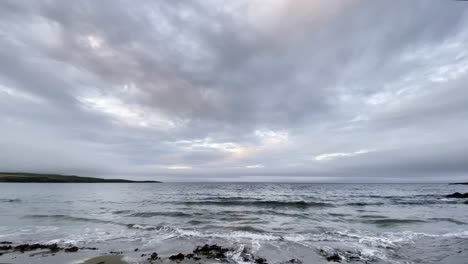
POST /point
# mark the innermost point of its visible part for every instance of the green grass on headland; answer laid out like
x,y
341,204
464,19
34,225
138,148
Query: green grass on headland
x,y
58,178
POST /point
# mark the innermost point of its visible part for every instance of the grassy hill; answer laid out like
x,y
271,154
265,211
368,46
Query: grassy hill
x,y
58,178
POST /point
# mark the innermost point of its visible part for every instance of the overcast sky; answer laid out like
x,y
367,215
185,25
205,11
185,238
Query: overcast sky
x,y
328,91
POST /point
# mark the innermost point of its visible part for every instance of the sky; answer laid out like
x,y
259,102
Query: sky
x,y
247,90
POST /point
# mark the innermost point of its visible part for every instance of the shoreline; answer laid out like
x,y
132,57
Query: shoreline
x,y
106,260
200,254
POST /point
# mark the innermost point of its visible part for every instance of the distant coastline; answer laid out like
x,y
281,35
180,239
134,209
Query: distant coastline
x,y
22,177
459,183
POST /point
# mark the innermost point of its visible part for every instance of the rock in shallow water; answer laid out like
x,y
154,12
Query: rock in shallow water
x,y
213,251
178,257
260,261
457,195
154,256
6,247
71,249
334,257
30,247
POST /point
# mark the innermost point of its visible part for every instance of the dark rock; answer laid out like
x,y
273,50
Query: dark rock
x,y
54,248
178,257
116,252
190,256
213,251
6,247
30,247
71,249
457,195
246,255
154,256
335,257
88,248
261,261
136,250
23,247
465,202
6,243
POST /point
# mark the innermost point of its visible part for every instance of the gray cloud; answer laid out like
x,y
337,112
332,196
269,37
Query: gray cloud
x,y
248,90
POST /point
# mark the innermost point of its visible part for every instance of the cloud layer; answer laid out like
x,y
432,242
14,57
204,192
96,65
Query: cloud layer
x,y
336,91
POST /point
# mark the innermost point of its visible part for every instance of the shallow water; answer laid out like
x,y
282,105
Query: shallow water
x,y
367,223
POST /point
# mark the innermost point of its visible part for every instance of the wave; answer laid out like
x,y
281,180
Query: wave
x,y
262,203
153,214
72,218
372,216
151,227
422,202
232,198
280,213
451,220
247,228
7,200
196,222
118,212
392,221
364,203
400,201
385,240
102,221
397,196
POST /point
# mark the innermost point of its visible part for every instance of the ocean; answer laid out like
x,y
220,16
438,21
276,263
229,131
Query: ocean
x,y
282,223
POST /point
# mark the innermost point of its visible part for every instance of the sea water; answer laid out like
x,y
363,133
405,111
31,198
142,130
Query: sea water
x,y
362,223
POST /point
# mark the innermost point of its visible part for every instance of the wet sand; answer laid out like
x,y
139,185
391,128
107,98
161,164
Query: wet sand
x,y
105,260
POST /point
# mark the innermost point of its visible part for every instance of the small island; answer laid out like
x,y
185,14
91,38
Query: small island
x,y
58,178
459,183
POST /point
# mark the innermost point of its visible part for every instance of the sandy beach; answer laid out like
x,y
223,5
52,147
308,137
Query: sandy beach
x,y
105,260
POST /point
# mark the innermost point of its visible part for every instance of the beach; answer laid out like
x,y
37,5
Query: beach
x,y
232,223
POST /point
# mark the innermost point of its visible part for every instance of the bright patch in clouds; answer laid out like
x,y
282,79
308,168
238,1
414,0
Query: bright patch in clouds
x,y
11,93
128,114
178,167
270,137
256,166
94,42
330,156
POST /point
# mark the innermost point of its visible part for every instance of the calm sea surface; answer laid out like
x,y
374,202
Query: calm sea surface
x,y
365,223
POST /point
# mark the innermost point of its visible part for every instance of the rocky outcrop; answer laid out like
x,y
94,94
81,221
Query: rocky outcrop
x,y
30,247
6,247
457,195
206,251
71,249
261,261
210,252
179,257
153,256
334,258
